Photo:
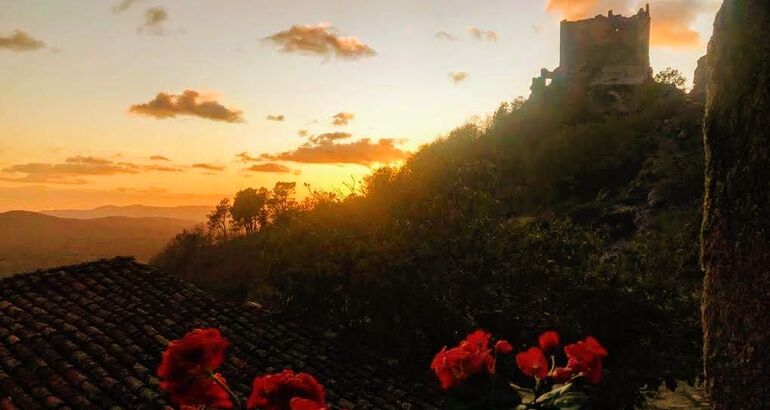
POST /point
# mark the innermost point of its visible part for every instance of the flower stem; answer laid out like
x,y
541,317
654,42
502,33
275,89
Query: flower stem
x,y
236,400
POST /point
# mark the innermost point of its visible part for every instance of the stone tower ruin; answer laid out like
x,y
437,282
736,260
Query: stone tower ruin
x,y
607,50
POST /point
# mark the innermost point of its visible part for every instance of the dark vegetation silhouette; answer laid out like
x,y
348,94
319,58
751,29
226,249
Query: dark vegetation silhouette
x,y
554,214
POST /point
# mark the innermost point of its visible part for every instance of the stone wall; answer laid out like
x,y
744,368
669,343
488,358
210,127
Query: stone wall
x,y
606,50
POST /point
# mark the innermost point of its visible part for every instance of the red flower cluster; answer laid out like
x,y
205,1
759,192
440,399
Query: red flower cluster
x,y
187,370
549,340
454,366
533,363
471,356
585,357
187,373
287,391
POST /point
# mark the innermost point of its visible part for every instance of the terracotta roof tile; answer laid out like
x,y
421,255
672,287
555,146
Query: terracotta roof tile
x,y
90,336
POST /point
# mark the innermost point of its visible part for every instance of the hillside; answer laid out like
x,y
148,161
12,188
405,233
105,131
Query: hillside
x,y
30,241
188,213
554,213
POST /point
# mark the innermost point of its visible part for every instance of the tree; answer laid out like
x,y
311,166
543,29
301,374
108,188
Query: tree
x,y
281,199
673,77
217,219
736,229
248,206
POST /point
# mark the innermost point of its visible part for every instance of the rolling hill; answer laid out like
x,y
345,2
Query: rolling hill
x,y
30,240
191,213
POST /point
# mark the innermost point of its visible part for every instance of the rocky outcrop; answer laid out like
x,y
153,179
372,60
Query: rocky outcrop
x,y
701,79
736,227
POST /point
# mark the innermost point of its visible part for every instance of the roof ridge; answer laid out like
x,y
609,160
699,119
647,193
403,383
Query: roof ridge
x,y
127,260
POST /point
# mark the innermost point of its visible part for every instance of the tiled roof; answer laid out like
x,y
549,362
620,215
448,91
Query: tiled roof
x,y
90,336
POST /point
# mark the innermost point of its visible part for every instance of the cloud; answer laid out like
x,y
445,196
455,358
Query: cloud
x,y
458,76
342,118
671,19
269,167
321,40
188,103
443,35
303,133
71,171
74,170
123,5
158,158
154,18
329,137
479,34
161,168
572,9
280,117
246,157
208,167
20,41
363,152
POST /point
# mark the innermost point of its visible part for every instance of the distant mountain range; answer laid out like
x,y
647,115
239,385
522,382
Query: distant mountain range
x,y
30,240
191,213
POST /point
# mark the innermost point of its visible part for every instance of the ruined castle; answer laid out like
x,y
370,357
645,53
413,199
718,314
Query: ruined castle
x,y
607,50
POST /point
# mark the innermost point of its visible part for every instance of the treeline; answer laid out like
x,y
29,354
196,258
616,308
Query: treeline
x,y
555,214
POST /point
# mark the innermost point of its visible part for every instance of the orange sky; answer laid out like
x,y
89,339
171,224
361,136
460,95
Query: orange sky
x,y
179,102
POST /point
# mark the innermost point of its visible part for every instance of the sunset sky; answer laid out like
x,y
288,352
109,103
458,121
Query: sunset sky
x,y
179,102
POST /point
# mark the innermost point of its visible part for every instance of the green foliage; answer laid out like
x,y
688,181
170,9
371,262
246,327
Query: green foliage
x,y
671,76
538,218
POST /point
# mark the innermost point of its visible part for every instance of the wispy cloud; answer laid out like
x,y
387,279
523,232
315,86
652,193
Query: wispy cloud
x,y
20,41
189,103
479,34
74,170
443,35
162,168
279,117
159,158
269,168
458,76
123,5
329,137
246,157
320,40
154,19
208,167
342,118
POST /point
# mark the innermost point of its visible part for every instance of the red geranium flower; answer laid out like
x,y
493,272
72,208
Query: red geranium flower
x,y
278,391
187,370
533,363
585,357
549,340
561,374
503,347
304,404
455,365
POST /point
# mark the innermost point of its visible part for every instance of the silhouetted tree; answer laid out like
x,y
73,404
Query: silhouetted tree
x,y
736,227
281,199
673,77
248,210
217,220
